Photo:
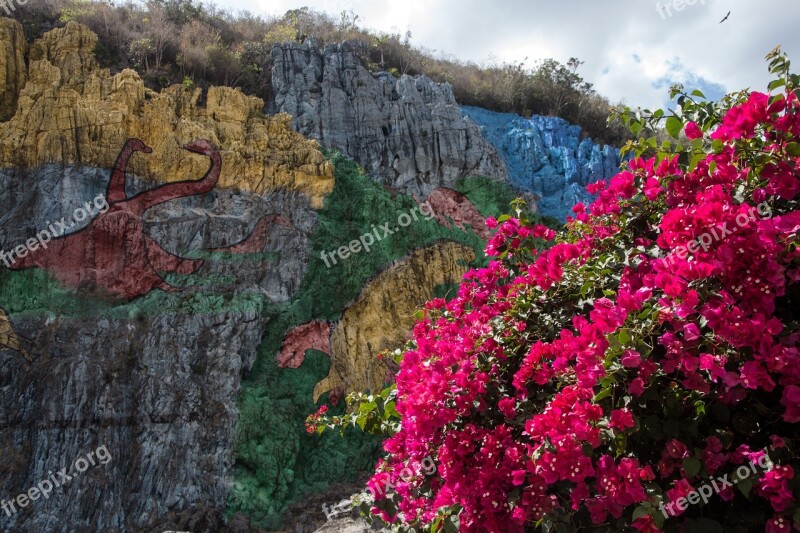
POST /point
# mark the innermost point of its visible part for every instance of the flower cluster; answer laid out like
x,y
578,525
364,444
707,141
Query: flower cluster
x,y
590,381
312,422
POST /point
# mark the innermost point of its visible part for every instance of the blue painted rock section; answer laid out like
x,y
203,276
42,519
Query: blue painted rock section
x,y
547,156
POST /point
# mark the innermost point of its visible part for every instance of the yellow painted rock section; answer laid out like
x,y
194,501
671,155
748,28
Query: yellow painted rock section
x,y
71,111
9,339
383,314
12,65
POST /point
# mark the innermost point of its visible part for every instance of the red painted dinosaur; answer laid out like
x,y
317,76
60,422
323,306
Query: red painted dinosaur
x,y
112,254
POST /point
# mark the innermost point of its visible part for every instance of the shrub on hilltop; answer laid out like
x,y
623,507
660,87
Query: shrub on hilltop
x,y
167,40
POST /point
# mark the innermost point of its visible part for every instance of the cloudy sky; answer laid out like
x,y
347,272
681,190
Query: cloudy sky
x,y
633,49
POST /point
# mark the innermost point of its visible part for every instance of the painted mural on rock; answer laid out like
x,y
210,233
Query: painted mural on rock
x,y
547,156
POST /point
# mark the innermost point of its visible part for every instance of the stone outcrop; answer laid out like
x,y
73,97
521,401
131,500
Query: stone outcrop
x,y
408,133
9,338
153,378
156,377
71,112
12,66
548,157
382,316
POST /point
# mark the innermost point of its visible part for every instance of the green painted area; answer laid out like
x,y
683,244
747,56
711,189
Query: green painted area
x,y
219,256
448,291
491,197
34,292
276,461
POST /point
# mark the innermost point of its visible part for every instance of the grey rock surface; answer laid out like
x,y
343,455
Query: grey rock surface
x,y
349,525
154,380
407,132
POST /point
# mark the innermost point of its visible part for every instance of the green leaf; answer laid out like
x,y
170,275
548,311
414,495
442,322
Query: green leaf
x,y
793,149
391,411
674,126
745,485
605,393
776,98
692,466
450,526
366,407
613,342
585,288
695,160
774,84
699,408
622,442
640,511
698,93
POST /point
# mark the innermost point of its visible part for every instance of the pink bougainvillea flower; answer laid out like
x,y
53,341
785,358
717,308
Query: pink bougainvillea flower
x,y
651,343
693,131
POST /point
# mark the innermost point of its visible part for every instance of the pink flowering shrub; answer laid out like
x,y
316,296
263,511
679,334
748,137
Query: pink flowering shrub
x,y
653,347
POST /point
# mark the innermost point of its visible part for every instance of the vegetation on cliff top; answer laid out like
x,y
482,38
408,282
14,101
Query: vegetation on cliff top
x,y
174,41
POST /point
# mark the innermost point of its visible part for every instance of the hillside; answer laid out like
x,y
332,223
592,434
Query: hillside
x,y
172,41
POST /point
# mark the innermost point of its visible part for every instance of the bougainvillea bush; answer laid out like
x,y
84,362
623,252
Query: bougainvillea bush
x,y
651,350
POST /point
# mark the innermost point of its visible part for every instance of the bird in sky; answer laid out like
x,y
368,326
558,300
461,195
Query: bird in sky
x,y
726,17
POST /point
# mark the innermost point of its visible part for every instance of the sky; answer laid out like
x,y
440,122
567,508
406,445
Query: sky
x,y
633,50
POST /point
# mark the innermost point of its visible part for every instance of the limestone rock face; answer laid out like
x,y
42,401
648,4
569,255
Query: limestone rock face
x,y
12,65
154,378
158,393
382,316
71,112
409,132
548,157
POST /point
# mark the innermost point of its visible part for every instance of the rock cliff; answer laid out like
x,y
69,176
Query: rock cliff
x,y
72,112
408,132
175,375
12,66
198,378
153,377
383,314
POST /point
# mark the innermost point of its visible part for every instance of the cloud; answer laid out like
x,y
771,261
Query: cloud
x,y
632,51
